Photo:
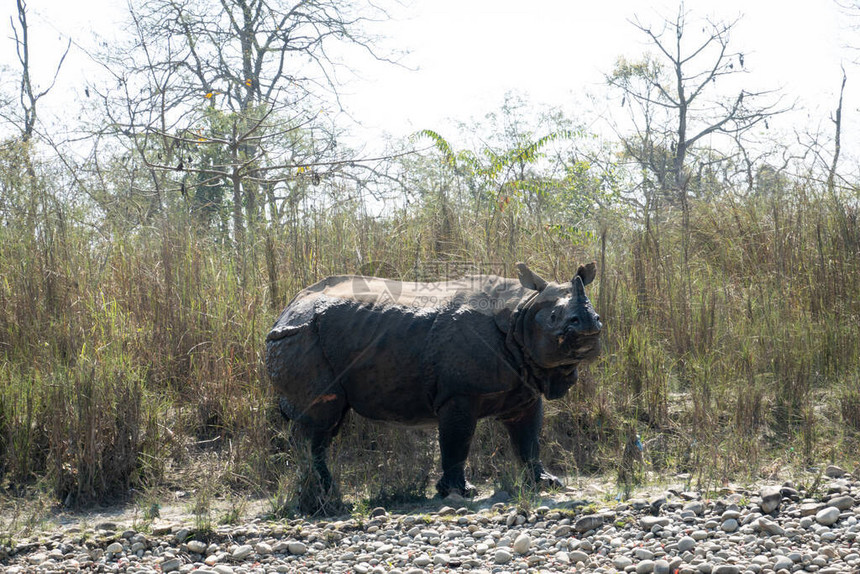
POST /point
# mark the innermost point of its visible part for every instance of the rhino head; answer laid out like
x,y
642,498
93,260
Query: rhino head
x,y
559,329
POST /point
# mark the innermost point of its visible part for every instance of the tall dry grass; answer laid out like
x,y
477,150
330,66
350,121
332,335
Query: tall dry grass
x,y
732,342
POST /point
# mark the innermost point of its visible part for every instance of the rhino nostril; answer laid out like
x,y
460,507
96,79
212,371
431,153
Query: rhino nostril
x,y
574,321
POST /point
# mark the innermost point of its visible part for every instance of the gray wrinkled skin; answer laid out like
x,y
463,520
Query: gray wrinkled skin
x,y
427,354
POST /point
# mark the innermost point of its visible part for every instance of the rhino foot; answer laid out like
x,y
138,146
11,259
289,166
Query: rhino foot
x,y
466,489
544,479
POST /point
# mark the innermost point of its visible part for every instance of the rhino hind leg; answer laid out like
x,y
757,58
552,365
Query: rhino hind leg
x,y
456,428
524,430
318,493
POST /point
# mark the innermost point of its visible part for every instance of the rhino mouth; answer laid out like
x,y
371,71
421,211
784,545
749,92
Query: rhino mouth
x,y
578,348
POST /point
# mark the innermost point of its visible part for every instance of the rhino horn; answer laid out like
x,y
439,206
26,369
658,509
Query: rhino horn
x,y
586,272
578,287
529,279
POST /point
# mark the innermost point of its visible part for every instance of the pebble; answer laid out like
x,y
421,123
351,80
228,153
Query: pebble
x,y
522,543
827,516
503,556
771,497
674,532
114,548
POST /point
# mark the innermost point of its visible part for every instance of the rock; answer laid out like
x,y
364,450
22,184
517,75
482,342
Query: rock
x,y
263,549
643,554
833,471
648,522
729,525
454,499
588,522
242,552
196,546
502,556
782,563
422,560
841,502
37,558
621,562
810,508
827,516
298,548
522,543
771,497
114,548
171,565
645,567
685,544
500,496
768,526
160,528
661,567
577,556
441,559
725,569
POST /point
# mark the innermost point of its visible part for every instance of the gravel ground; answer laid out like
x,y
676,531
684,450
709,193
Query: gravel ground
x,y
766,529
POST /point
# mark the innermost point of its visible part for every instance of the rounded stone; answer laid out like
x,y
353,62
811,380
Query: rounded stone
x,y
686,543
503,556
827,516
114,548
522,543
171,565
841,502
296,547
441,559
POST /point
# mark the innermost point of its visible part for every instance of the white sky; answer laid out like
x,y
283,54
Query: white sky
x,y
468,53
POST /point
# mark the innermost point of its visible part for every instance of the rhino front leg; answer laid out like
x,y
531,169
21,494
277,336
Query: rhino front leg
x,y
456,428
524,429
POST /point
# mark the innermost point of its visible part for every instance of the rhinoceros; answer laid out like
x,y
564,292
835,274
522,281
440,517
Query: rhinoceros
x,y
446,353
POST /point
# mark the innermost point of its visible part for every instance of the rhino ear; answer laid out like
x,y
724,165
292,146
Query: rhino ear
x,y
529,279
586,273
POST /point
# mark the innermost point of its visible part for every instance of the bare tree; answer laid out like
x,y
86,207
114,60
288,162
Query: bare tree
x,y
674,101
837,136
224,89
29,95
